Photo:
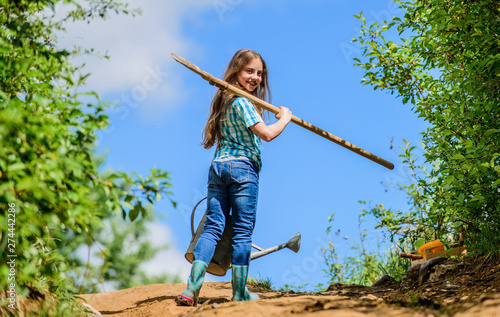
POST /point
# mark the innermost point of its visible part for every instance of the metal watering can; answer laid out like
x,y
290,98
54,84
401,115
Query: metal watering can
x,y
221,261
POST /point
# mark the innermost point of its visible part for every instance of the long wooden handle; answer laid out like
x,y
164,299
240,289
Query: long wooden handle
x,y
411,256
221,84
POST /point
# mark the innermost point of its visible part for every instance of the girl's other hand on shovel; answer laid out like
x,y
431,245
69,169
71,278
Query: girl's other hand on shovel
x,y
285,114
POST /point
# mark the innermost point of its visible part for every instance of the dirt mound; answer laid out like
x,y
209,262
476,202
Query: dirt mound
x,y
449,288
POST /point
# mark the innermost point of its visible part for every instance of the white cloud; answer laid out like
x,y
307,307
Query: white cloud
x,y
169,261
172,260
138,45
86,255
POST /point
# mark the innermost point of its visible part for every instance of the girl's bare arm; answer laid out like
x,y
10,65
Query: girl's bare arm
x,y
269,132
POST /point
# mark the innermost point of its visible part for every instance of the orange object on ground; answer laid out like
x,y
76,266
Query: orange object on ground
x,y
431,244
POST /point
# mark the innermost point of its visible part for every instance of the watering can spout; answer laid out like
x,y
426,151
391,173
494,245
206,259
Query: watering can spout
x,y
292,244
221,260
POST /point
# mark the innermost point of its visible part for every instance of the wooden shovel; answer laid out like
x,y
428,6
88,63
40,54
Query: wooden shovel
x,y
221,84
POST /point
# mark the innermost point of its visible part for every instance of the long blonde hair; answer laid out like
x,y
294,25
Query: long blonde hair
x,y
212,132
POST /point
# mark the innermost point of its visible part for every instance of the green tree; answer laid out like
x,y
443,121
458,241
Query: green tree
x,y
123,246
446,63
50,186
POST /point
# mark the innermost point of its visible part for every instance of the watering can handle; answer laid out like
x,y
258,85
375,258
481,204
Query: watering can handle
x,y
192,216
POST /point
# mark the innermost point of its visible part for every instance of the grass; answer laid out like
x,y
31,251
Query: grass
x,y
260,284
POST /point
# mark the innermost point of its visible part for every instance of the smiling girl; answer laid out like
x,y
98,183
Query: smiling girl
x,y
236,126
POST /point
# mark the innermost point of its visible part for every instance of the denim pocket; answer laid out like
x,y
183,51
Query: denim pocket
x,y
240,172
210,179
211,175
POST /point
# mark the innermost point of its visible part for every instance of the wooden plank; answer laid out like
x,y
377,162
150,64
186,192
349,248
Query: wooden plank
x,y
457,251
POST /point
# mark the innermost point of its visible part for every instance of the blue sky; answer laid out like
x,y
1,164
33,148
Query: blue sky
x,y
162,108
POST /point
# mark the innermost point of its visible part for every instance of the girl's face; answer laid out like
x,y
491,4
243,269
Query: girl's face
x,y
250,76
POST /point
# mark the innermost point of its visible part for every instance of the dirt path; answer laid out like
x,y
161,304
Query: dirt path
x,y
452,289
158,300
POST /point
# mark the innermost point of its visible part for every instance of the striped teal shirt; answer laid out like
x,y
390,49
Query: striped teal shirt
x,y
237,138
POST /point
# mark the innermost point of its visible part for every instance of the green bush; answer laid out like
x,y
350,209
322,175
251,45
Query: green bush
x,y
446,63
443,59
363,263
50,188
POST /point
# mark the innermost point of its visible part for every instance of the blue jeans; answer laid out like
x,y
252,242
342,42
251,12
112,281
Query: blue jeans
x,y
232,185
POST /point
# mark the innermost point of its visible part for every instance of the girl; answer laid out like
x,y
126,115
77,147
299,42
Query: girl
x,y
236,126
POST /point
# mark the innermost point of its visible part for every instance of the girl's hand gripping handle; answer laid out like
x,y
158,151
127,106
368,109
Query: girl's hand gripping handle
x,y
269,132
284,114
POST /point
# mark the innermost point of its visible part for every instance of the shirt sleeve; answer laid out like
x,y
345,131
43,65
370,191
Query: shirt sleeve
x,y
247,112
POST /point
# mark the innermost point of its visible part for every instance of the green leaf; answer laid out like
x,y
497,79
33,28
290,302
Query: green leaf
x,y
450,179
143,211
134,212
490,132
419,243
16,167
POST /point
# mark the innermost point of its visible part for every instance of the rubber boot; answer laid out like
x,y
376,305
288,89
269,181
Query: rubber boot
x,y
190,296
239,281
